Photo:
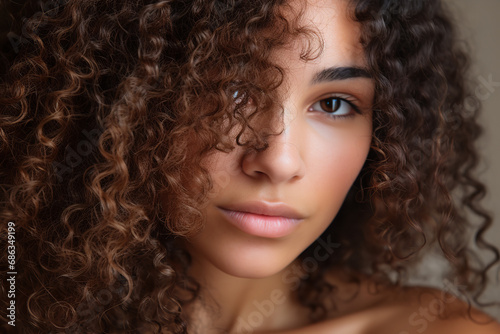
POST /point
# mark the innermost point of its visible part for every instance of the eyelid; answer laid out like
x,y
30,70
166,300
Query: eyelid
x,y
349,99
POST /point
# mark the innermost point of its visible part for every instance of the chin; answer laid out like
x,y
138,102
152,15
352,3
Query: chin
x,y
254,262
252,270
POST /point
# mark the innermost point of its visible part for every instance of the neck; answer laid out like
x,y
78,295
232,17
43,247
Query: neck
x,y
229,304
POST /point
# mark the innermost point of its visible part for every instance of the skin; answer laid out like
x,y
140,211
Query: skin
x,y
310,166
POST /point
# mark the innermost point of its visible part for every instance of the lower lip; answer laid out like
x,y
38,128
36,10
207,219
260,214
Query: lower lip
x,y
261,225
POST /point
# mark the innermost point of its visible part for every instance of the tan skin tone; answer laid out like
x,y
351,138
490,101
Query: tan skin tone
x,y
309,167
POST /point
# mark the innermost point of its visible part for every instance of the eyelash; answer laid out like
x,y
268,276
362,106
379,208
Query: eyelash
x,y
341,99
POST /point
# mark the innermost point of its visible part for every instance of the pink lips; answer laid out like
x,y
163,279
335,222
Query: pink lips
x,y
263,219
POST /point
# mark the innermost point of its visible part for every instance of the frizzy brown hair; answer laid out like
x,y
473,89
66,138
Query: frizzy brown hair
x,y
110,107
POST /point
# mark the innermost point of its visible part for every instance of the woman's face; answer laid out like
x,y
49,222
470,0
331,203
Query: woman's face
x,y
268,206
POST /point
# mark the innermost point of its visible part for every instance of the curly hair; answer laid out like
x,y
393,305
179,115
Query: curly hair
x,y
109,107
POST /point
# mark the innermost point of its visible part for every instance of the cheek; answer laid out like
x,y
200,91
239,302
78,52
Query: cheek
x,y
222,167
337,159
343,160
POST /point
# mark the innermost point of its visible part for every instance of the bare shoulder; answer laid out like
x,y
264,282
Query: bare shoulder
x,y
428,310
414,310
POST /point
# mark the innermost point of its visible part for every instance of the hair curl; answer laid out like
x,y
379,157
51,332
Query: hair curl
x,y
110,106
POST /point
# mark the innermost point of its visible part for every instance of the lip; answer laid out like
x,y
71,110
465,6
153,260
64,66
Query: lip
x,y
263,219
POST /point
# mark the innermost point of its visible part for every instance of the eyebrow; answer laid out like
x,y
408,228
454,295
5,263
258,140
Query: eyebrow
x,y
340,73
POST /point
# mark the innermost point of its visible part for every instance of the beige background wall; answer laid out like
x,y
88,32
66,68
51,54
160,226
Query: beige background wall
x,y
480,24
480,27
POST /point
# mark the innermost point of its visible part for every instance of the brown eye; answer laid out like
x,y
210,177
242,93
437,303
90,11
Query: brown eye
x,y
335,107
239,97
330,105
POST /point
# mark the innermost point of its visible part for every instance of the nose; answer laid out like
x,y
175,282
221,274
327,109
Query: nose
x,y
281,161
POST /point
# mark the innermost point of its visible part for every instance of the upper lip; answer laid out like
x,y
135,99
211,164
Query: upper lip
x,y
275,209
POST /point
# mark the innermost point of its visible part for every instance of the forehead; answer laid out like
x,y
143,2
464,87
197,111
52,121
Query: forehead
x,y
338,35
